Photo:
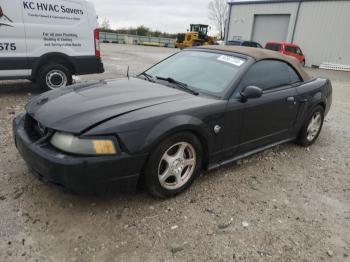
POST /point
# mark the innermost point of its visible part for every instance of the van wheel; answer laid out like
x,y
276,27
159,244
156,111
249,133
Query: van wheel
x,y
54,76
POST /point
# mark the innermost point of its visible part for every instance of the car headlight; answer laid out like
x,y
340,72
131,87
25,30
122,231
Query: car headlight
x,y
72,144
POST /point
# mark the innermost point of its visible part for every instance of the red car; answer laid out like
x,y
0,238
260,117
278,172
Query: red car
x,y
287,49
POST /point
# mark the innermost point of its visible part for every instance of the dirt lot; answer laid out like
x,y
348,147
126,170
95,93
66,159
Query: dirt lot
x,y
286,204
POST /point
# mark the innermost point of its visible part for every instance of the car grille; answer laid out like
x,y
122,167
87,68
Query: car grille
x,y
34,129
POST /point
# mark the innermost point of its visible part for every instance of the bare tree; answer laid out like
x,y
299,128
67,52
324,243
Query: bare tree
x,y
105,24
218,13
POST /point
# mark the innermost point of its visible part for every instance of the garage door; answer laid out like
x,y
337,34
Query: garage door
x,y
270,28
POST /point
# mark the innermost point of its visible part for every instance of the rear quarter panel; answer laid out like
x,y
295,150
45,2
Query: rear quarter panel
x,y
313,93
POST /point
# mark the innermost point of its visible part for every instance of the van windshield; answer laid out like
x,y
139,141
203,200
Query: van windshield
x,y
205,72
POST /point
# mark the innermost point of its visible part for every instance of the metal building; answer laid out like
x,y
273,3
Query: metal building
x,y
321,28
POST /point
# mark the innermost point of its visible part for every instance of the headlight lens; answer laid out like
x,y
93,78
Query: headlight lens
x,y
72,144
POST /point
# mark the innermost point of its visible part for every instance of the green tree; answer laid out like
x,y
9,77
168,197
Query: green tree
x,y
142,30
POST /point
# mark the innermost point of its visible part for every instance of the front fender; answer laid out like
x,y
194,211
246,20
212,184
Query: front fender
x,y
177,124
143,141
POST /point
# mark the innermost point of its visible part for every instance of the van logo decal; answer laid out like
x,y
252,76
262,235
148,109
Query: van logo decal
x,y
4,19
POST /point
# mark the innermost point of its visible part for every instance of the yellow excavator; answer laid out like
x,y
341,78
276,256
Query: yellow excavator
x,y
197,36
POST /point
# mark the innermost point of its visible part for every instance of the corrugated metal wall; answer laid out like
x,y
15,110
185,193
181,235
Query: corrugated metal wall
x,y
322,31
242,18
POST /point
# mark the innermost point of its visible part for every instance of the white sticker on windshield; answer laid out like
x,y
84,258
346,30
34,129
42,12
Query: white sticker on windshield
x,y
232,60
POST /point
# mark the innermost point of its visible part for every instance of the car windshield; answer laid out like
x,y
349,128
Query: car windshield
x,y
206,72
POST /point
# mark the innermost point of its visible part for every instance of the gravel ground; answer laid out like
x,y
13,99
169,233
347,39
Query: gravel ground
x,y
286,204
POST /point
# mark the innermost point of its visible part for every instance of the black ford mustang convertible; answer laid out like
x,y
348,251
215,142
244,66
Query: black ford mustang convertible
x,y
198,109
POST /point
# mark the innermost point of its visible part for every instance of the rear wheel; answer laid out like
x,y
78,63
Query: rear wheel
x,y
303,63
54,76
173,165
312,127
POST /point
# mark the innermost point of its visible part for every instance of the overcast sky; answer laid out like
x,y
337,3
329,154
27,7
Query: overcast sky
x,y
164,15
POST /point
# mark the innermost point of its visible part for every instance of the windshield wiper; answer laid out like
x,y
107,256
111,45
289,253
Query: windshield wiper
x,y
179,84
148,77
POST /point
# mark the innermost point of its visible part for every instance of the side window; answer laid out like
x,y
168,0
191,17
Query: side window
x,y
267,75
234,43
290,49
250,44
273,47
294,77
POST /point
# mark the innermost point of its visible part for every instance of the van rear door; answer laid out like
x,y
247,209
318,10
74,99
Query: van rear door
x,y
13,52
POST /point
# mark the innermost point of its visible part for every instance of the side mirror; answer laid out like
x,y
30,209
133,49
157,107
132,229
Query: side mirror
x,y
251,92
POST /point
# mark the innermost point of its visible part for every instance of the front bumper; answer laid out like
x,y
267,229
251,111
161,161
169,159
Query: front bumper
x,y
76,173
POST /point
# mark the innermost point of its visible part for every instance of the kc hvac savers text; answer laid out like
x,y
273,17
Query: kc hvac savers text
x,y
51,8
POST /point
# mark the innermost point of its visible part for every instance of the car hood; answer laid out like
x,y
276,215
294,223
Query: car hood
x,y
76,109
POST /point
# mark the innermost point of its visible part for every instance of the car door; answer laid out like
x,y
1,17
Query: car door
x,y
270,118
13,51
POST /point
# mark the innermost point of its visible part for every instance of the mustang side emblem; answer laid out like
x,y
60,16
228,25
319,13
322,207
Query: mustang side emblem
x,y
4,19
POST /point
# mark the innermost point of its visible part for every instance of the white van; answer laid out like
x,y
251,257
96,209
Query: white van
x,y
48,41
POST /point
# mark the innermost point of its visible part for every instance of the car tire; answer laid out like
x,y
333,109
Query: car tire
x,y
54,76
312,127
303,63
173,165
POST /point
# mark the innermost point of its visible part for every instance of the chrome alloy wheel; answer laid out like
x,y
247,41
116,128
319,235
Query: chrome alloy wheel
x,y
314,126
177,166
56,79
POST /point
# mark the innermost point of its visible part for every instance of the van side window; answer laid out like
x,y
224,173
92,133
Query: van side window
x,y
268,75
